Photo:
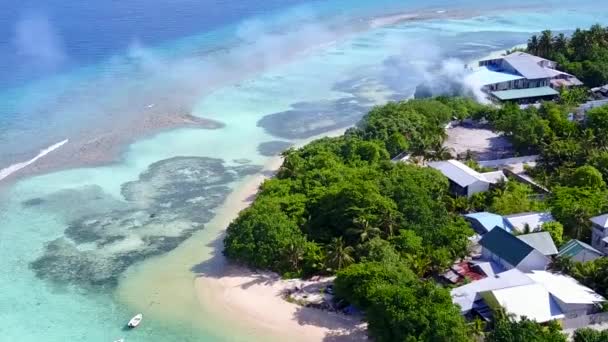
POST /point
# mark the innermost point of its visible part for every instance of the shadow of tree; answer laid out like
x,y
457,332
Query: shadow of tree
x,y
343,328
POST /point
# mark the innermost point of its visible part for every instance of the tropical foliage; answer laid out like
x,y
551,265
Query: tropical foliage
x,y
508,329
584,53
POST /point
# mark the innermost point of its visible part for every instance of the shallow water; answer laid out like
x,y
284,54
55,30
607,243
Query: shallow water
x,y
70,239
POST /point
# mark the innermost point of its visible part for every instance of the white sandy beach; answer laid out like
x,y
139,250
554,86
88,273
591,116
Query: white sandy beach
x,y
256,298
195,284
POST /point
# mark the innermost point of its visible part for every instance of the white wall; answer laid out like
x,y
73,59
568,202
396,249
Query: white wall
x,y
596,239
585,256
491,256
479,186
535,261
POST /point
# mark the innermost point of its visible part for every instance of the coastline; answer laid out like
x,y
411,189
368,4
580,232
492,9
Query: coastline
x,y
196,284
104,148
256,299
104,144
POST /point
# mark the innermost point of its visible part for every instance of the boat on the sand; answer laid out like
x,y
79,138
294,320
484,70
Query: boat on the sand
x,y
134,322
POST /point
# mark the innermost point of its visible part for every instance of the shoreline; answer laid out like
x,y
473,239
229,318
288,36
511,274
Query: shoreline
x,y
103,149
256,298
229,290
196,284
101,146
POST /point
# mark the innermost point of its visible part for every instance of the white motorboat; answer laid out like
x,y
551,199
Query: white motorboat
x,y
134,322
120,340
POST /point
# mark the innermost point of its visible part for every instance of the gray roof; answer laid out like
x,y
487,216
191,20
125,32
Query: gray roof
x,y
542,242
573,247
458,172
528,65
514,94
467,294
534,220
601,220
506,246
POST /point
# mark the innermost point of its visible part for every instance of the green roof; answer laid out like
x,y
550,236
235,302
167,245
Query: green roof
x,y
573,247
506,246
515,94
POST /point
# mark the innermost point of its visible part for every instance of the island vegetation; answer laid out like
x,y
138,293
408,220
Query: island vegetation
x,y
583,54
340,206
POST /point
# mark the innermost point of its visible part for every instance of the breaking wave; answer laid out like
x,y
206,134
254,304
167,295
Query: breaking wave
x,y
18,166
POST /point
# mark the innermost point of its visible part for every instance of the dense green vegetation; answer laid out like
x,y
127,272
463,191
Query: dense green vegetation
x,y
584,54
340,206
590,335
331,197
573,163
593,274
507,329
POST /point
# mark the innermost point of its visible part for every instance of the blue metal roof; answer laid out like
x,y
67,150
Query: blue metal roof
x,y
486,76
488,220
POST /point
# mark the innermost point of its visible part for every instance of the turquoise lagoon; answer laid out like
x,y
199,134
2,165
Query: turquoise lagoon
x,y
70,239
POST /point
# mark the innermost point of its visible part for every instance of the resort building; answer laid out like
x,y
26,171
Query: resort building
x,y
578,251
521,77
541,241
599,233
484,222
507,250
527,222
538,295
465,181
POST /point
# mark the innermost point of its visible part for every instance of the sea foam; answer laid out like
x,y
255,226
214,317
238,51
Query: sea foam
x,y
18,166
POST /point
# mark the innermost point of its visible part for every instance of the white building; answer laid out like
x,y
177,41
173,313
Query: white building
x,y
522,77
503,248
533,221
579,251
465,181
599,233
539,295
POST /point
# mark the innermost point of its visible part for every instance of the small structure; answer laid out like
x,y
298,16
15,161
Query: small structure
x,y
530,95
510,252
600,92
468,296
538,295
573,298
463,271
579,251
465,181
532,301
541,241
484,222
522,77
599,233
532,221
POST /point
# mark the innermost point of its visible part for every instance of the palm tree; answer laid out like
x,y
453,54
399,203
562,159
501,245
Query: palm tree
x,y
477,327
389,223
440,153
533,45
560,43
294,253
363,230
544,43
339,255
419,264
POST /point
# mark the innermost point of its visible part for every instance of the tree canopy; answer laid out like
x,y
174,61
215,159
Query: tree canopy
x,y
584,53
511,330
